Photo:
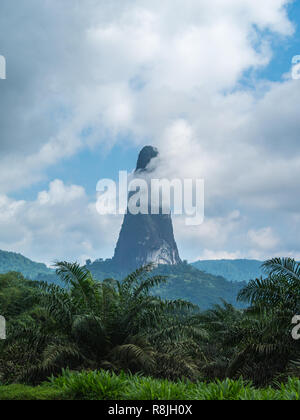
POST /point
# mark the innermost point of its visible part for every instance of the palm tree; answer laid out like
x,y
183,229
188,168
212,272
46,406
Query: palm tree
x,y
221,322
110,324
280,290
274,300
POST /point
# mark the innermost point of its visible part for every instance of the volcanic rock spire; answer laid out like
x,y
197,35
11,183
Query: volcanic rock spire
x,y
146,238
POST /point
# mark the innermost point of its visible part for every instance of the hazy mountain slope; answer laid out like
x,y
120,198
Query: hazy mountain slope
x,y
203,289
10,261
232,270
184,282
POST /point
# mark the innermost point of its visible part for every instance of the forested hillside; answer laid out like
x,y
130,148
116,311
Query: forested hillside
x,y
232,270
17,295
10,261
184,282
203,283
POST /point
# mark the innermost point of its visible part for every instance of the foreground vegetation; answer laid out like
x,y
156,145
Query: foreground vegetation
x,y
112,327
108,386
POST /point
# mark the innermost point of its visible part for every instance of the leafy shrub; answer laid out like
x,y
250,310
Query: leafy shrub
x,y
108,386
148,389
225,390
291,390
91,385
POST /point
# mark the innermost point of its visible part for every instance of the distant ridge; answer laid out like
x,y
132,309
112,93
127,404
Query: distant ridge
x,y
184,282
10,261
232,270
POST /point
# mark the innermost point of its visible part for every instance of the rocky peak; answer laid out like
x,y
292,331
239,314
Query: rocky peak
x,y
146,238
146,155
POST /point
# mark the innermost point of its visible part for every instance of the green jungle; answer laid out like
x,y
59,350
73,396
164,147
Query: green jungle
x,y
115,339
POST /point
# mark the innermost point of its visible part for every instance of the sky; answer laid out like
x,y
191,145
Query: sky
x,y
208,82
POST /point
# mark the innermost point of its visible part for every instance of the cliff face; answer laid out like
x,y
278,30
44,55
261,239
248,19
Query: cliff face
x,y
146,238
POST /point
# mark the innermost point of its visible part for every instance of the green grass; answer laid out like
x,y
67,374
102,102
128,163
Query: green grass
x,y
27,393
103,385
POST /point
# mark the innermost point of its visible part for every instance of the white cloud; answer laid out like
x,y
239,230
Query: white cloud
x,y
211,238
60,194
208,254
62,223
85,63
263,239
140,69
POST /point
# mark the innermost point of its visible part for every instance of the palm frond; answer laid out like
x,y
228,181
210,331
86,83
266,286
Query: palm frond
x,y
287,267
